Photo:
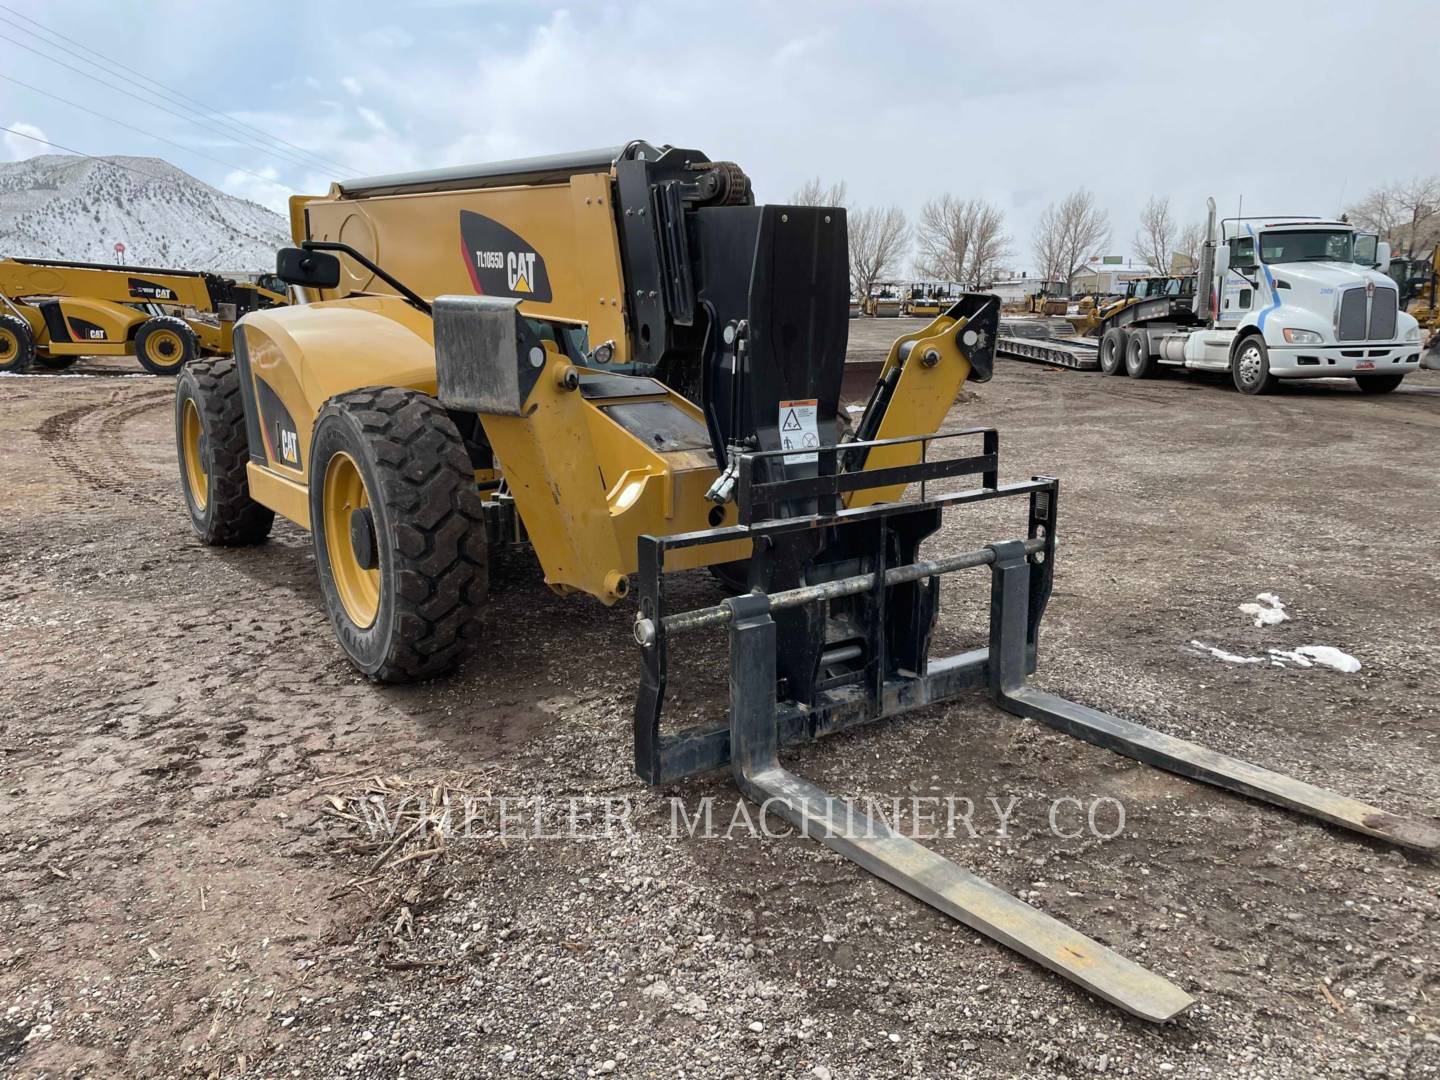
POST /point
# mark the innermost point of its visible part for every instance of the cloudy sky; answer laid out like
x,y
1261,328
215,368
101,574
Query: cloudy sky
x,y
1295,107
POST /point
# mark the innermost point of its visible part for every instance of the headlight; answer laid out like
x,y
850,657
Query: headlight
x,y
1303,337
1413,334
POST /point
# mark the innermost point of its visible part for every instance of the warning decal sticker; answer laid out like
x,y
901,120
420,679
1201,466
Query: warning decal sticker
x,y
799,430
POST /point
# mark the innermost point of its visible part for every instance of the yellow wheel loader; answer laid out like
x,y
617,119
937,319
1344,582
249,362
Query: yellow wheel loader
x,y
620,360
52,313
1419,285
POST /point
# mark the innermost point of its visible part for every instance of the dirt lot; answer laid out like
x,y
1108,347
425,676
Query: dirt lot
x,y
186,762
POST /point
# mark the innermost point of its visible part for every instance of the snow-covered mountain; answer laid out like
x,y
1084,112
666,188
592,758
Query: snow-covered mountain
x,y
59,206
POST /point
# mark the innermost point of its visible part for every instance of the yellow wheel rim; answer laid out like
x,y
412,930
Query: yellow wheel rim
x,y
191,434
9,345
343,494
164,348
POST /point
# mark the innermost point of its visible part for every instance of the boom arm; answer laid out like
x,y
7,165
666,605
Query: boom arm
x,y
124,284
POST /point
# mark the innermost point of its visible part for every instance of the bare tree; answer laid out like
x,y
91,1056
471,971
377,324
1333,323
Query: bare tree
x,y
1192,239
814,192
1406,214
989,245
1048,245
943,239
960,240
879,239
1377,212
1155,242
1068,234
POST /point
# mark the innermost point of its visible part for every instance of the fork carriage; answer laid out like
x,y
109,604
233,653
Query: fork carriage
x,y
836,631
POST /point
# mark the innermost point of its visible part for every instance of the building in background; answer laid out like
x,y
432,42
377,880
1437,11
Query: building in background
x,y
1017,286
1106,275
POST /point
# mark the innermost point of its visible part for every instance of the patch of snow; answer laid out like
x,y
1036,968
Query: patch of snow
x,y
1221,654
855,408
1330,657
1268,611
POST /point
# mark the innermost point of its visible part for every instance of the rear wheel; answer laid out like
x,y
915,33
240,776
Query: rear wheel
x,y
17,344
398,532
165,344
56,363
213,448
1378,384
1112,351
1139,364
1250,367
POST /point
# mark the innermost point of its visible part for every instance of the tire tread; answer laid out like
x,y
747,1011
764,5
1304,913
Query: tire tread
x,y
441,557
236,519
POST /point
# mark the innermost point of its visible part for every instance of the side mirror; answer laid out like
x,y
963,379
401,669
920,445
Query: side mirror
x,y
1222,261
309,269
1382,257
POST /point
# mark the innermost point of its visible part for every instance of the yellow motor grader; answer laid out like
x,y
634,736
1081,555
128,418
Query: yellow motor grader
x,y
620,360
54,312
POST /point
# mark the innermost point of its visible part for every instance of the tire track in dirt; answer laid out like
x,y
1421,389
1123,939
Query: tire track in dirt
x,y
91,458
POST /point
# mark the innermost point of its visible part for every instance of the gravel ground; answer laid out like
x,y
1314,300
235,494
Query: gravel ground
x,y
190,773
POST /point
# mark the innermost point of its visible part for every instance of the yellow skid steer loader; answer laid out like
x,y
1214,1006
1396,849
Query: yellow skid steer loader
x,y
617,358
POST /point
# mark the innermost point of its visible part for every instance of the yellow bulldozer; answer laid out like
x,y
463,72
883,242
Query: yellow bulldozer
x,y
54,312
620,361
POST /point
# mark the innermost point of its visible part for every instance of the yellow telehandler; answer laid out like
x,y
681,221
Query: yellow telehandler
x,y
619,360
54,312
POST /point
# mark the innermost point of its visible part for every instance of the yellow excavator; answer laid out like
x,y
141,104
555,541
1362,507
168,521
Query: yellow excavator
x,y
619,361
54,312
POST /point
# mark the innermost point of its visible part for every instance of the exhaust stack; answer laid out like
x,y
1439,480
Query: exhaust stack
x,y
1205,276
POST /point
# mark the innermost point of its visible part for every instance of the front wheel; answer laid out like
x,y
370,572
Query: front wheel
x,y
399,532
1250,367
165,344
734,577
1378,384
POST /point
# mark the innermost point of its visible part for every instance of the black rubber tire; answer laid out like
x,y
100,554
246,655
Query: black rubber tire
x,y
734,577
17,347
1139,364
230,518
189,346
1252,375
56,363
1378,384
1112,351
429,530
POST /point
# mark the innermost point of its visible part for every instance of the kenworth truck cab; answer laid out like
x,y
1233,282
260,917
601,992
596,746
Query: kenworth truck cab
x,y
1281,298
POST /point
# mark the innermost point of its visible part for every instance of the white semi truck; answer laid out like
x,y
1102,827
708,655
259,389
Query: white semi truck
x,y
1275,298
